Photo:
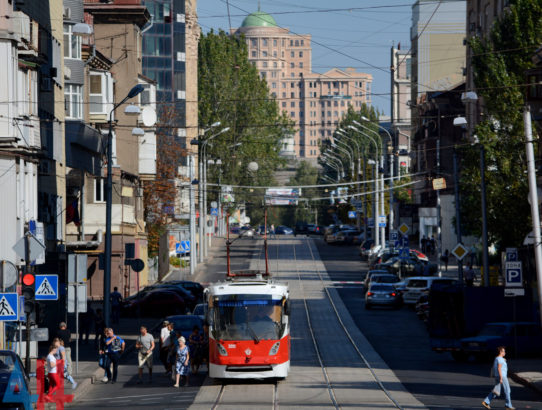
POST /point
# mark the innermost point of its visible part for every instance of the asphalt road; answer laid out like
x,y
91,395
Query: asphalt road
x,y
402,341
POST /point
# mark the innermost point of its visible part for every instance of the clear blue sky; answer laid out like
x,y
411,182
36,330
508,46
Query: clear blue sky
x,y
359,38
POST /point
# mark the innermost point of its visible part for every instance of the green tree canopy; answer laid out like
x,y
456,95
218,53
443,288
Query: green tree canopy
x,y
500,61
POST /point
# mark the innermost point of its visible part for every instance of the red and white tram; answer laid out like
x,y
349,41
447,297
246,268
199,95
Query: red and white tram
x,y
249,328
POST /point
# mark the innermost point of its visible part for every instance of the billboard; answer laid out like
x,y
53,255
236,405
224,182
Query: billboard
x,y
282,196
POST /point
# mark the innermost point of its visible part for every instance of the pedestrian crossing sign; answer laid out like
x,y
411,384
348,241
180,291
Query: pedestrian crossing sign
x,y
8,306
46,287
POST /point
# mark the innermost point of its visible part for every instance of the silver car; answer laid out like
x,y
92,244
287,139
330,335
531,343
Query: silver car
x,y
382,294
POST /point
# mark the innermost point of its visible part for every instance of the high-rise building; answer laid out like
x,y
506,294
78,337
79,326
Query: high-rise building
x,y
315,102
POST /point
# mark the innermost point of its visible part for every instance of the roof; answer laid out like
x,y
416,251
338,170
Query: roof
x,y
259,19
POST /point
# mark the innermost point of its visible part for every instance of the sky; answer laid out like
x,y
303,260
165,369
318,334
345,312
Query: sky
x,y
345,33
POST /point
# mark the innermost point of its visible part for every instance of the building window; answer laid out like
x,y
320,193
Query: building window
x,y
274,42
275,54
264,53
292,114
273,85
263,74
335,103
282,54
254,54
291,43
336,113
273,74
97,94
297,43
265,64
99,191
254,42
292,104
323,113
301,113
73,97
275,64
264,42
282,42
284,104
342,103
301,54
302,42
72,43
329,113
292,95
300,64
283,85
292,65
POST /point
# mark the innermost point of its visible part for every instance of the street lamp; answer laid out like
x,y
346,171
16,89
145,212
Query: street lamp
x,y
109,202
349,154
330,156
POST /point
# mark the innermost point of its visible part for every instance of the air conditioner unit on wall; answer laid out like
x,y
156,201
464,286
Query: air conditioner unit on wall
x,y
67,13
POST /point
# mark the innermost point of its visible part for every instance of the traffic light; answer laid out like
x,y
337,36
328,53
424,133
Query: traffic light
x,y
29,293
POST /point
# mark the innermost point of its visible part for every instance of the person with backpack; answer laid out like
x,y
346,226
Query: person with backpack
x,y
114,347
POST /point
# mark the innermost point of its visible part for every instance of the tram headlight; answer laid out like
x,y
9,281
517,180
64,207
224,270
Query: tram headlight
x,y
221,350
274,349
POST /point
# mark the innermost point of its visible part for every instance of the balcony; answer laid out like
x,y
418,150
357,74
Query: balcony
x,y
335,97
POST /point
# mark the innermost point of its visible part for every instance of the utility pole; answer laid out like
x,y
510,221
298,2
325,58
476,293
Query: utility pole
x,y
457,216
439,209
533,193
193,250
485,252
200,202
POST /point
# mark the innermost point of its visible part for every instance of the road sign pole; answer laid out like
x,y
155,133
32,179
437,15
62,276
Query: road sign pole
x,y
458,217
27,270
76,327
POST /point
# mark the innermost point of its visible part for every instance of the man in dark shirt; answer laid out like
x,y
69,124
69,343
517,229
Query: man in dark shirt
x,y
65,335
116,300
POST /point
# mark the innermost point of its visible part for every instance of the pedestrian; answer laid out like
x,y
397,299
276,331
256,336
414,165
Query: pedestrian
x,y
52,373
194,346
61,355
114,347
445,258
473,254
470,275
99,327
116,300
500,373
103,361
182,364
172,348
65,335
164,345
272,231
424,244
145,344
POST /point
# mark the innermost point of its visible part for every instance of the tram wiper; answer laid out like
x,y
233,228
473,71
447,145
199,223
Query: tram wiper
x,y
253,333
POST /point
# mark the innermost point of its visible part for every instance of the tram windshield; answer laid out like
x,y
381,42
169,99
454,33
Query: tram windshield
x,y
248,317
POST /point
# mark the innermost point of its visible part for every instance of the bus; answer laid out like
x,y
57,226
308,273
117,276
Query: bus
x,y
249,328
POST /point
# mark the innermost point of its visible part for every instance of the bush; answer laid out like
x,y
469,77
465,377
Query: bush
x,y
175,261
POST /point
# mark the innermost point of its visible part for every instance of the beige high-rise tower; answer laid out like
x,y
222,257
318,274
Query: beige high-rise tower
x,y
315,102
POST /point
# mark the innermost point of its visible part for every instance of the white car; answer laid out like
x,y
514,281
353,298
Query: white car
x,y
417,286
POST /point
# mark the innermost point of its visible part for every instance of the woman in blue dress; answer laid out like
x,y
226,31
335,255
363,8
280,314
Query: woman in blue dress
x,y
182,364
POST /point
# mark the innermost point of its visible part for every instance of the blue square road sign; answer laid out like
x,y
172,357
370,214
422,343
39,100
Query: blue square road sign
x,y
46,287
9,308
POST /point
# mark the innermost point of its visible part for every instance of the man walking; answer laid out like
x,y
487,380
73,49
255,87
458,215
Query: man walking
x,y
116,299
272,232
165,344
114,347
145,344
65,335
500,372
470,275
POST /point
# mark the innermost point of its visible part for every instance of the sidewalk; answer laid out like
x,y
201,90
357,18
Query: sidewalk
x,y
88,371
522,373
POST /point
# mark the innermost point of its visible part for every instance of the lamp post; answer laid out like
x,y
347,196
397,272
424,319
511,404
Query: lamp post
x,y
337,162
109,201
350,157
376,202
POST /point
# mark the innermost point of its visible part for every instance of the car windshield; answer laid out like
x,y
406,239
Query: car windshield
x,y
247,317
6,363
417,283
382,288
493,330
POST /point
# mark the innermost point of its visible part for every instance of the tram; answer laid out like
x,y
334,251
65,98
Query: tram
x,y
249,328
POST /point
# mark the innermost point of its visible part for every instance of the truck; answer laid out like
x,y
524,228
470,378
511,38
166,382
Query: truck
x,y
458,312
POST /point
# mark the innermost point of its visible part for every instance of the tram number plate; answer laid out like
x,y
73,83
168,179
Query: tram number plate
x,y
232,346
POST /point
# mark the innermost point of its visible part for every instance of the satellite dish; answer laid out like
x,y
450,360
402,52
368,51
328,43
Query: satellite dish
x,y
149,116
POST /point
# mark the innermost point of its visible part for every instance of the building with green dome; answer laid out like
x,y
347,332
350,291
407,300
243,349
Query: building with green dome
x,y
314,101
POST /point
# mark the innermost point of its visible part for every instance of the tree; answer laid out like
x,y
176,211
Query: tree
x,y
500,61
232,92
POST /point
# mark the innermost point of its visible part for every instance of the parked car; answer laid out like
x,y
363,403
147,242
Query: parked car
x,y
406,267
346,237
200,310
331,229
385,278
382,294
14,383
184,324
373,250
524,338
155,304
189,299
261,230
420,285
235,229
364,248
193,287
370,273
283,230
301,228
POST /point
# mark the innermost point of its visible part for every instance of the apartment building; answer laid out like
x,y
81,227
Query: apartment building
x,y
314,101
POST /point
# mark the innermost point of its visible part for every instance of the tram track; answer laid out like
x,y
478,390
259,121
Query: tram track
x,y
365,362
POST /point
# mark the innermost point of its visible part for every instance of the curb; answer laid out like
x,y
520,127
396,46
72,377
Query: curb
x,y
524,382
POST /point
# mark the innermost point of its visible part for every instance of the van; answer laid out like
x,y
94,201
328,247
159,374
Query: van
x,y
417,286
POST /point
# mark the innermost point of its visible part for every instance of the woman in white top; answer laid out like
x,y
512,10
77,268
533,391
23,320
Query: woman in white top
x,y
54,379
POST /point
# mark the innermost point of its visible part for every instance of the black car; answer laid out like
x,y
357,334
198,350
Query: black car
x,y
155,303
184,324
187,296
193,287
301,228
